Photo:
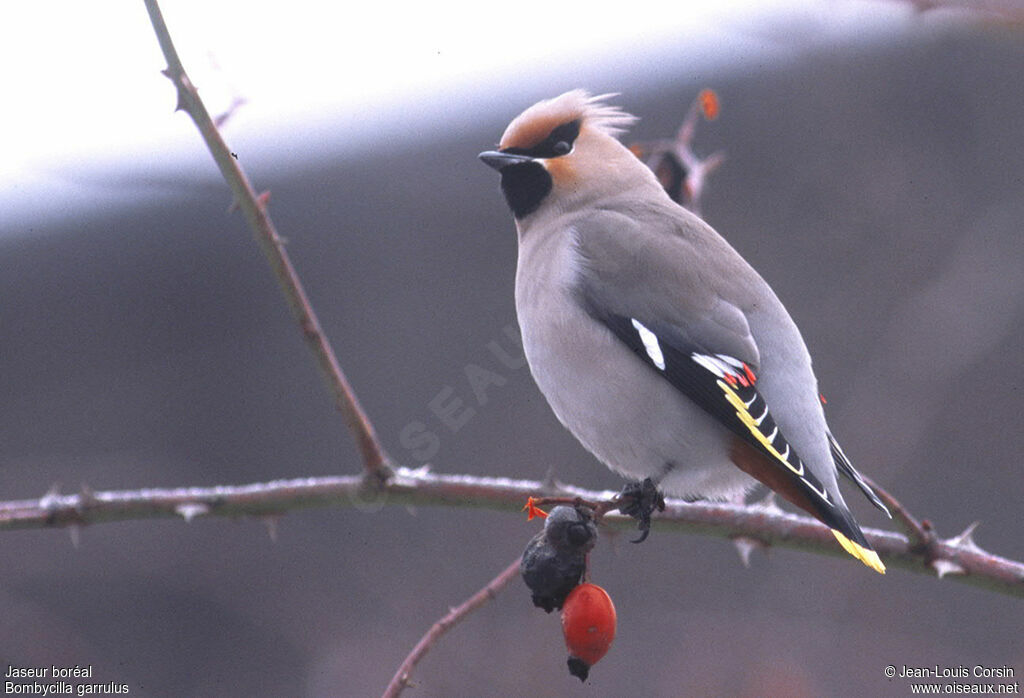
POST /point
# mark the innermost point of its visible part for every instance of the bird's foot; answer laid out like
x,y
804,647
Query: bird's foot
x,y
640,500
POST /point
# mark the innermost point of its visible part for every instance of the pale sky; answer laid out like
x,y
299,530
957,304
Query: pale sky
x,y
84,93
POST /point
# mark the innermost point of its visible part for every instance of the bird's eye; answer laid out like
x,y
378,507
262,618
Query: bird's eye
x,y
559,142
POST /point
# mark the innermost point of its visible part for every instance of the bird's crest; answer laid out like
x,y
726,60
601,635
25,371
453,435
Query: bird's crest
x,y
533,125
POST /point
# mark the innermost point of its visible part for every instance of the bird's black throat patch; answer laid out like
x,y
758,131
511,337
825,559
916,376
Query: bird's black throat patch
x,y
525,185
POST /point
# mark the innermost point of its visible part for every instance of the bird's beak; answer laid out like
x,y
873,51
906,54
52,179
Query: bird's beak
x,y
499,160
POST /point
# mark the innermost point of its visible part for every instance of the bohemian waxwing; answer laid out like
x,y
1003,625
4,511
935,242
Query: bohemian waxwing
x,y
655,343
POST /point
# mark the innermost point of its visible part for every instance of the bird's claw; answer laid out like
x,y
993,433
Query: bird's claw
x,y
640,500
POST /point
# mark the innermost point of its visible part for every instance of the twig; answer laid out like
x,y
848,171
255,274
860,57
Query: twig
x,y
924,540
254,208
916,532
401,678
680,170
964,560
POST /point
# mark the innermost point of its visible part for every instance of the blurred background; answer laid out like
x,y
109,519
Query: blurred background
x,y
873,176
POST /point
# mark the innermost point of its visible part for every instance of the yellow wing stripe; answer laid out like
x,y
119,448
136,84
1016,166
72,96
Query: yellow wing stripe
x,y
868,557
744,414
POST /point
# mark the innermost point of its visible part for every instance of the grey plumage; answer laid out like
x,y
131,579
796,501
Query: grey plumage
x,y
603,253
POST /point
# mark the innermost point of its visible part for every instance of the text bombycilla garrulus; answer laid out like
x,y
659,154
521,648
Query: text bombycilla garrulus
x,y
655,343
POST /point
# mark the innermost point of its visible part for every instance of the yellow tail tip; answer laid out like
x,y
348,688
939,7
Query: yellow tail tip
x,y
868,557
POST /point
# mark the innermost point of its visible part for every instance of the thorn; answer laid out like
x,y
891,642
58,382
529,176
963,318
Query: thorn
x,y
190,510
233,206
769,504
271,521
75,531
419,472
49,500
549,483
184,85
745,546
86,497
943,567
966,539
264,198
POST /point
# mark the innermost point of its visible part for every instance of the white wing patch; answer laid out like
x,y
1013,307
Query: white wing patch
x,y
735,377
718,364
651,345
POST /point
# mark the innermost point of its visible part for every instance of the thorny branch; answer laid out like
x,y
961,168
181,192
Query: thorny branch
x,y
254,208
958,558
681,172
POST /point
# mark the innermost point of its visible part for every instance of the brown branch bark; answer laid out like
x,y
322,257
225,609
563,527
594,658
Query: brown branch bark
x,y
254,208
401,678
958,558
916,532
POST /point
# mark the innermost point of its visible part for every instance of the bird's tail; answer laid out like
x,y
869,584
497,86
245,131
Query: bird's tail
x,y
866,555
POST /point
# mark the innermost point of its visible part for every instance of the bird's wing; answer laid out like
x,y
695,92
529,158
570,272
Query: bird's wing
x,y
626,268
844,466
701,344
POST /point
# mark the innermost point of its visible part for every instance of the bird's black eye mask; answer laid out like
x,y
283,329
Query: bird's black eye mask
x,y
559,142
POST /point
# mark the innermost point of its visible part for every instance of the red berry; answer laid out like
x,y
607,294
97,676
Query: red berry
x,y
588,623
